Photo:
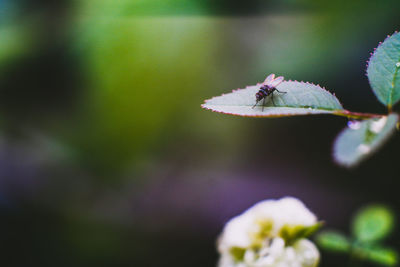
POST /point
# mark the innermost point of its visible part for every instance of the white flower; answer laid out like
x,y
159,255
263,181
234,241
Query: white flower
x,y
269,234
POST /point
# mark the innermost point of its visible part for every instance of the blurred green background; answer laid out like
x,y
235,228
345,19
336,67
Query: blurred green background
x,y
107,159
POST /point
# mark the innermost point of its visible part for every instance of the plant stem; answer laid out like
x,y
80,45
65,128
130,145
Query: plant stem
x,y
354,261
357,115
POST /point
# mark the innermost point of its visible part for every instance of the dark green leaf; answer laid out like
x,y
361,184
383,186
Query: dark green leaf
x,y
383,71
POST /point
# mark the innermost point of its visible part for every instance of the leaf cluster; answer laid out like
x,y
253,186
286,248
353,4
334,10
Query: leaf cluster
x,y
370,226
365,132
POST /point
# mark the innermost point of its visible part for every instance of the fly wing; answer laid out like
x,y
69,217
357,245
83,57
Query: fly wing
x,y
276,81
269,79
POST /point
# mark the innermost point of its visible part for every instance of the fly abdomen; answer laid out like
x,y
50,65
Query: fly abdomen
x,y
260,95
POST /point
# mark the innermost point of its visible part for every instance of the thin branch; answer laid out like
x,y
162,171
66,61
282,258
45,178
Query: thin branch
x,y
357,115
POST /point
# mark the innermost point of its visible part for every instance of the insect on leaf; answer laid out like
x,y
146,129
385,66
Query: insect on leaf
x,y
334,241
372,223
361,138
299,99
383,71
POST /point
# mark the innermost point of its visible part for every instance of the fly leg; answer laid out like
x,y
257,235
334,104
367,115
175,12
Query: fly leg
x,y
263,104
272,95
272,98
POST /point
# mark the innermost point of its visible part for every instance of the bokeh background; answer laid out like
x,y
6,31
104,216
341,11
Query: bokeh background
x,y
107,159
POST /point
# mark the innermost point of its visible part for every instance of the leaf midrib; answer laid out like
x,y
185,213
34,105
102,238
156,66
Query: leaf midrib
x,y
300,107
392,88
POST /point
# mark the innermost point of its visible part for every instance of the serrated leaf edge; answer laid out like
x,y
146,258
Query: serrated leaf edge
x,y
326,111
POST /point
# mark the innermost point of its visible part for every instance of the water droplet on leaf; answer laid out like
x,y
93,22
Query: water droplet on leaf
x,y
363,148
378,125
354,125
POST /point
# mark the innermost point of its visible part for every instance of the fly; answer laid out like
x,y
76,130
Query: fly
x,y
267,89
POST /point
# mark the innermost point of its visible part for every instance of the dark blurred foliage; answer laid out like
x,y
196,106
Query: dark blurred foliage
x,y
106,158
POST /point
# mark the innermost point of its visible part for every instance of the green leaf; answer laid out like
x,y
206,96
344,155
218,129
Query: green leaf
x,y
372,223
384,256
334,241
361,138
383,71
300,99
375,254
